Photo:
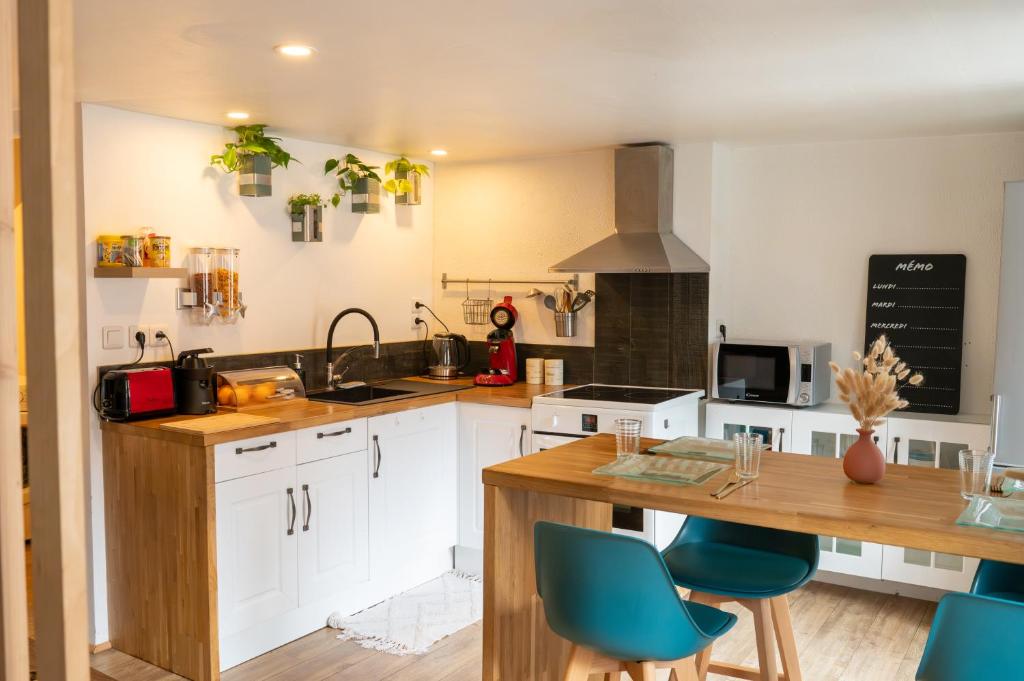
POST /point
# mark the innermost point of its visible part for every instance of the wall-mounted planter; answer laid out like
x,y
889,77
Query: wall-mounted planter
x,y
413,197
308,225
254,175
366,195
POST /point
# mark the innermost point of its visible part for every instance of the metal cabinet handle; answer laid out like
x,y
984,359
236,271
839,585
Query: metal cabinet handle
x,y
309,509
376,449
522,434
242,450
782,437
291,521
321,436
895,448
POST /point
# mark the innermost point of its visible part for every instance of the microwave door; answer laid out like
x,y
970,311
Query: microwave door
x,y
758,373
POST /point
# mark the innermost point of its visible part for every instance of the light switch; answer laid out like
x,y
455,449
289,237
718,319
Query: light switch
x,y
113,337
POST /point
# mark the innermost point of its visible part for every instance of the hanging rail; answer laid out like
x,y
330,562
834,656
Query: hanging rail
x,y
573,281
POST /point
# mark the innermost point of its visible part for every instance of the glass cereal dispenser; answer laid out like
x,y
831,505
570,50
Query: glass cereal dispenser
x,y
225,284
201,281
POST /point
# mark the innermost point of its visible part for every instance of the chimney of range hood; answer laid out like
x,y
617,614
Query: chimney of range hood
x,y
643,239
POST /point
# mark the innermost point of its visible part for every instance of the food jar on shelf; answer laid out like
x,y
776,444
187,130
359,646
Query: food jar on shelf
x,y
108,250
132,250
159,251
225,282
253,388
201,279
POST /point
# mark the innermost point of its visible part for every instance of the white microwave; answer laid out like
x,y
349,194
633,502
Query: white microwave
x,y
769,371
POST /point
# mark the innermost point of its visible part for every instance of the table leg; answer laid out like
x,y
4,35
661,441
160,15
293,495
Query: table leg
x,y
517,643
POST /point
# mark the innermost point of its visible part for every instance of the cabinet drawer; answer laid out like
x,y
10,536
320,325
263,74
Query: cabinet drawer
x,y
256,455
331,439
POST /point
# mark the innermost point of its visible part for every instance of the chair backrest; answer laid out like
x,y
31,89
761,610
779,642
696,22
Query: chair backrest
x,y
974,637
796,544
1002,580
611,593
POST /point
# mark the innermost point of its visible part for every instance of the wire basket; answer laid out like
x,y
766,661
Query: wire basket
x,y
475,310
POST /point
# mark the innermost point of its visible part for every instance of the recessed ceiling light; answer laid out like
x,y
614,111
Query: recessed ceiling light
x,y
438,152
238,115
293,50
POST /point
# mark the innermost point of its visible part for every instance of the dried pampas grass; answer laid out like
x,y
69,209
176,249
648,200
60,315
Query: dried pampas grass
x,y
872,392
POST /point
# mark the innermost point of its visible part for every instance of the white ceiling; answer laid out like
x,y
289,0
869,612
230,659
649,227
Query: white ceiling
x,y
512,78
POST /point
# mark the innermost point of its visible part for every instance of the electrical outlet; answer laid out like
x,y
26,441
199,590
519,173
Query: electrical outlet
x,y
132,330
415,325
155,328
415,310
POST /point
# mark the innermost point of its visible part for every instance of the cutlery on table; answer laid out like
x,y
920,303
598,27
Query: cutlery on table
x,y
732,489
734,479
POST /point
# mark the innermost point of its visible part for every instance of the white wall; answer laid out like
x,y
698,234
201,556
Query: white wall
x,y
147,170
795,226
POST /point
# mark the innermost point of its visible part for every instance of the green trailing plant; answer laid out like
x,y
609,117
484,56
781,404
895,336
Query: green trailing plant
x,y
251,141
298,201
348,171
396,185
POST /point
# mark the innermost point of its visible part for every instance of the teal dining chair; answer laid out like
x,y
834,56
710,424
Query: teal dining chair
x,y
612,597
1002,580
974,637
757,567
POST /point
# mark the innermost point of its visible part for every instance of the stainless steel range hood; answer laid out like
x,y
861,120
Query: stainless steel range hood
x,y
643,239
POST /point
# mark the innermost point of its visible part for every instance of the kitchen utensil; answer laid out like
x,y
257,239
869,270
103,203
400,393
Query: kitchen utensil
x,y
194,383
582,300
996,488
218,424
627,437
549,302
748,454
501,347
734,479
565,324
451,354
742,483
534,292
975,472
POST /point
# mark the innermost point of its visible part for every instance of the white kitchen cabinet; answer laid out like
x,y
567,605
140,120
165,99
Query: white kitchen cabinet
x,y
775,424
488,435
413,496
257,558
333,525
933,442
821,432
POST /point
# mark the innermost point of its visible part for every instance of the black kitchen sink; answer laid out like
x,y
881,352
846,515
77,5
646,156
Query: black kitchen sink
x,y
358,395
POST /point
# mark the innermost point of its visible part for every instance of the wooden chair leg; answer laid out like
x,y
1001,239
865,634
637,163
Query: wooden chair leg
x,y
684,670
784,635
613,676
765,638
580,661
641,671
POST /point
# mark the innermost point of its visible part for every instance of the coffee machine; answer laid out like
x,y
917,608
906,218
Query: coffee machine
x,y
501,347
194,383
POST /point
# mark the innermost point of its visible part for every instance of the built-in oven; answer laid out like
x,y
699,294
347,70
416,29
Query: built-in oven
x,y
766,371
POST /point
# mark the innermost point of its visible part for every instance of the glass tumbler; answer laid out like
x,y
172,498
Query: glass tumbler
x,y
748,454
627,437
975,472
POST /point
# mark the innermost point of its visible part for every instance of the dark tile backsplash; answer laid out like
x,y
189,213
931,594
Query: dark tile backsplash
x,y
652,329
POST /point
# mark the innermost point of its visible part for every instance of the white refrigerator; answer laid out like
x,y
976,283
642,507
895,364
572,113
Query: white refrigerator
x,y
1008,399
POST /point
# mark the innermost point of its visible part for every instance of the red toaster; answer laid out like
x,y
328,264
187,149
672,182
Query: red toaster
x,y
130,394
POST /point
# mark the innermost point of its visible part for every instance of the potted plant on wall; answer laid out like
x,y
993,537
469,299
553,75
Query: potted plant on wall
x,y
405,180
307,212
356,177
253,157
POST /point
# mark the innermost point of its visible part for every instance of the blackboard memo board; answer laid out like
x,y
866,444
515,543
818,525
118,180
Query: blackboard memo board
x,y
918,302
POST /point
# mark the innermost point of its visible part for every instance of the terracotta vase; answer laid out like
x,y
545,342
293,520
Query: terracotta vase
x,y
864,461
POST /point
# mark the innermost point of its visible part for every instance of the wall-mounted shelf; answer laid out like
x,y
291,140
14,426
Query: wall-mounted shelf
x,y
139,272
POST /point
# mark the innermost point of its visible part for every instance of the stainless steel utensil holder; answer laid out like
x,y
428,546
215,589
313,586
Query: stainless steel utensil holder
x,y
565,324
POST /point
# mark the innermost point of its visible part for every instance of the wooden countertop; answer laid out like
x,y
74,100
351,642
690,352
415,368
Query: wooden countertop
x,y
912,506
302,413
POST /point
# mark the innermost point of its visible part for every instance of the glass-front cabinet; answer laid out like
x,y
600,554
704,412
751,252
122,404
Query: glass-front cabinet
x,y
822,433
936,444
774,424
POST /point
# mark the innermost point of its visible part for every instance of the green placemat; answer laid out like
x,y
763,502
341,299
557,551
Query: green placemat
x,y
666,469
698,448
995,513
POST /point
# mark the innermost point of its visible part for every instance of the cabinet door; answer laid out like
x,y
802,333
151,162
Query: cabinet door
x,y
725,419
919,442
413,495
830,435
488,435
333,525
257,526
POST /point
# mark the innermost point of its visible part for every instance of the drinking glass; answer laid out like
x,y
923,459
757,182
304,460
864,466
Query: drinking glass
x,y
748,454
627,437
975,472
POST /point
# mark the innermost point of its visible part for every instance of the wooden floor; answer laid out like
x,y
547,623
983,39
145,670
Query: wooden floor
x,y
843,635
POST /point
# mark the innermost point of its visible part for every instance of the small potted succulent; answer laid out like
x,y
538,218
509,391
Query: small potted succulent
x,y
405,180
307,211
253,157
356,177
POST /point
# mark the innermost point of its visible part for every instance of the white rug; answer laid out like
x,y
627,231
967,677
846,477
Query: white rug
x,y
409,623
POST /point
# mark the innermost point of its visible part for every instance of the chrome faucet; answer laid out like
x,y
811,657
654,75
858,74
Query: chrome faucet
x,y
330,339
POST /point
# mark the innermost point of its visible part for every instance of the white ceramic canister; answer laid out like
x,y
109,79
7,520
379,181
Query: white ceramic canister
x,y
535,370
554,371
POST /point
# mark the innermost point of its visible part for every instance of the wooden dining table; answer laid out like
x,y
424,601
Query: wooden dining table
x,y
912,506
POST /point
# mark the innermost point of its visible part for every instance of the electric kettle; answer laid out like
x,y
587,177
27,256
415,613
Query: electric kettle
x,y
451,354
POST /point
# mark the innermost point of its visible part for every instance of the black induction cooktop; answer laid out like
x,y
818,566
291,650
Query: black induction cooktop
x,y
618,393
